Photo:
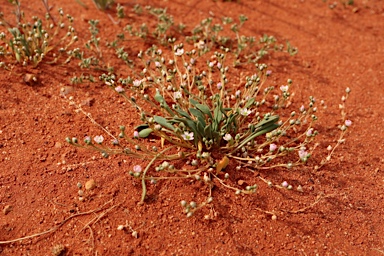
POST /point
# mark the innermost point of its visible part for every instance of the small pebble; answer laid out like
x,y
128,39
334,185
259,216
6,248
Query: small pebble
x,y
80,192
7,209
30,79
58,250
300,188
91,184
79,184
81,199
240,182
274,217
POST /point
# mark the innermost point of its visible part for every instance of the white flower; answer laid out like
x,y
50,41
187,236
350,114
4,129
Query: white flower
x,y
244,111
137,83
179,52
303,154
284,88
137,168
309,132
119,89
272,147
98,139
348,123
227,137
237,93
187,135
177,95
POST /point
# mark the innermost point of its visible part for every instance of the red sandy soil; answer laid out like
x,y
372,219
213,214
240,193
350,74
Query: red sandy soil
x,y
342,203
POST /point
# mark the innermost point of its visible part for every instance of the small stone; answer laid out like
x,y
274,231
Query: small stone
x,y
30,79
7,209
58,250
91,184
274,217
79,185
240,182
81,199
300,188
80,192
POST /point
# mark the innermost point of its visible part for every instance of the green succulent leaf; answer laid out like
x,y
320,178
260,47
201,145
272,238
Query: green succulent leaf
x,y
231,124
183,113
208,131
163,122
218,116
198,114
205,109
264,126
145,133
159,98
193,102
266,122
200,129
250,102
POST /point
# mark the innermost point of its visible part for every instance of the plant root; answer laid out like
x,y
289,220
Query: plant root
x,y
65,221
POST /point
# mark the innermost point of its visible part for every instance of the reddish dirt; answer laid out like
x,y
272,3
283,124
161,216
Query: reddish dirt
x,y
338,48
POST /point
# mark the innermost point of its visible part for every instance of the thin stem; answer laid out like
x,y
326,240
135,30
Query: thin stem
x,y
145,172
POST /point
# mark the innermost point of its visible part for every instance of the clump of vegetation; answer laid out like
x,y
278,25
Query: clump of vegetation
x,y
31,42
201,112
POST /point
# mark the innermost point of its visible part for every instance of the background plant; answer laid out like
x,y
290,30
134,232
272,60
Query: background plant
x,y
32,42
208,35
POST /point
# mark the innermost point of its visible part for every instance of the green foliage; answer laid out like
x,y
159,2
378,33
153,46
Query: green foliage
x,y
193,107
214,36
164,23
195,112
186,102
32,42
